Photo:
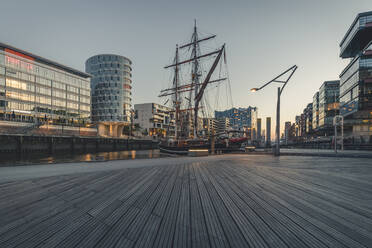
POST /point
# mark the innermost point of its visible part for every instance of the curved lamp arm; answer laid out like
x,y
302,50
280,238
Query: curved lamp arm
x,y
275,80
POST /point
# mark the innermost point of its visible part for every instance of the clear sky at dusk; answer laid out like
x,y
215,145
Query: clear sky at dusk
x,y
263,38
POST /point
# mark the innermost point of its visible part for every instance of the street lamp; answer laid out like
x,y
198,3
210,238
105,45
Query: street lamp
x,y
280,90
338,120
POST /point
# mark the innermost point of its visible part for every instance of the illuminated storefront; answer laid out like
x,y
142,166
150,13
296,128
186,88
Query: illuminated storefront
x,y
33,88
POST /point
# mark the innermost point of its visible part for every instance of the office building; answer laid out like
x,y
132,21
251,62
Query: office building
x,y
35,89
356,78
155,119
328,106
111,86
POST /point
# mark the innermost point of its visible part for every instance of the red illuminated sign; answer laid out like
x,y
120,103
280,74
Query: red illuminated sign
x,y
17,62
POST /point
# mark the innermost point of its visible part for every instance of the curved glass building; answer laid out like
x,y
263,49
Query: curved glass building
x,y
111,85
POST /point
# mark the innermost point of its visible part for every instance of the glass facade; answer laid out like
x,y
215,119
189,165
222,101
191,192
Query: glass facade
x,y
356,87
329,94
111,86
356,79
33,88
316,111
362,21
239,117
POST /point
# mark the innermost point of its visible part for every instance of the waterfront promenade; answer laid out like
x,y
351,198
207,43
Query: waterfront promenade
x,y
215,201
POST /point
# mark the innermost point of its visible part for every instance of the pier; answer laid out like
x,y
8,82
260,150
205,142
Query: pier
x,y
215,201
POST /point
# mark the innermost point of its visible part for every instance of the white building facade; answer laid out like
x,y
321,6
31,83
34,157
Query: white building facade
x,y
155,119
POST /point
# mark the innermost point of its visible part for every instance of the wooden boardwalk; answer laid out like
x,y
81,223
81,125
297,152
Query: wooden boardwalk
x,y
255,201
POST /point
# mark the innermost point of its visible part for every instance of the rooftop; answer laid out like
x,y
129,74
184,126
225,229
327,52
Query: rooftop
x,y
46,61
356,37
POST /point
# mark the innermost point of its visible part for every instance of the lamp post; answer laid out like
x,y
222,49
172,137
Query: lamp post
x,y
339,120
280,90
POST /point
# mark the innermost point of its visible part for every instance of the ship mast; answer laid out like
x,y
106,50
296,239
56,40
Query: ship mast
x,y
195,86
176,102
195,75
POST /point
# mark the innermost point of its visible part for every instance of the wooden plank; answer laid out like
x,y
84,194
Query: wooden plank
x,y
182,233
319,229
255,219
231,230
216,234
199,234
236,201
164,237
149,232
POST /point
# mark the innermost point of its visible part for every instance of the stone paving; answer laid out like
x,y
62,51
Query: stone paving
x,y
216,201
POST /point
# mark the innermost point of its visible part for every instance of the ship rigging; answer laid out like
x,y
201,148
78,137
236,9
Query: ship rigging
x,y
187,98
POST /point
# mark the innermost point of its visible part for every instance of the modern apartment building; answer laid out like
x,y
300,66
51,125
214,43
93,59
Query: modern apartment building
x,y
356,78
35,89
155,119
209,126
111,86
223,124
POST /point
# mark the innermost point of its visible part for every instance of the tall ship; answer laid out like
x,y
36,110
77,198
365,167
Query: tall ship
x,y
198,79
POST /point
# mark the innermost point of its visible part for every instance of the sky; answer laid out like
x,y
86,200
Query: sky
x,y
263,38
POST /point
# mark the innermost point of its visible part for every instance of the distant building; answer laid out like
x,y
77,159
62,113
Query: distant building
x,y
356,78
308,112
298,126
287,131
316,111
302,125
239,117
328,106
259,129
155,119
209,126
223,125
111,86
268,131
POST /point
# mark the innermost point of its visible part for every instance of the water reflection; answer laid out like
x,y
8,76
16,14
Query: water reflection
x,y
34,158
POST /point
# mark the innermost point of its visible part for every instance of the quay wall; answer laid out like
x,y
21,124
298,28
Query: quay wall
x,y
51,144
